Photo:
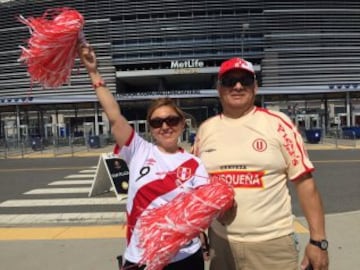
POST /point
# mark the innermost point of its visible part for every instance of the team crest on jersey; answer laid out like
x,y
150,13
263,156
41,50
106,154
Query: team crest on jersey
x,y
259,145
183,173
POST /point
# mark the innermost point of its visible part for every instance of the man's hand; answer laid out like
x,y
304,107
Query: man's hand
x,y
317,258
205,248
227,217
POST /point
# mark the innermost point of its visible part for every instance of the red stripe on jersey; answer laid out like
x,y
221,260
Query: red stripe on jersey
x,y
117,148
290,125
127,143
296,178
153,190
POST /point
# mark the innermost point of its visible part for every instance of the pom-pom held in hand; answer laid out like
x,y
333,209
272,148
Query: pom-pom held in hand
x,y
164,230
52,48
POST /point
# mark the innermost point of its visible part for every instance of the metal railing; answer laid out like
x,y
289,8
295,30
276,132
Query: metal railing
x,y
340,138
54,146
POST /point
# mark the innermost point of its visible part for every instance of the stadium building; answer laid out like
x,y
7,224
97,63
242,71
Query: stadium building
x,y
306,55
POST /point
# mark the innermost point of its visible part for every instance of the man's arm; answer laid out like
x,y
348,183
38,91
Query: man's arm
x,y
311,204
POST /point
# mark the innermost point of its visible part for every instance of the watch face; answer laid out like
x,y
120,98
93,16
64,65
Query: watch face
x,y
324,244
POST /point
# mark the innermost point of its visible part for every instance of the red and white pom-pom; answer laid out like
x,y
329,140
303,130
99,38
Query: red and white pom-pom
x,y
52,48
164,230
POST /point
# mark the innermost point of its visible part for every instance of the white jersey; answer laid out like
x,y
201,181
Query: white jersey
x,y
155,179
256,154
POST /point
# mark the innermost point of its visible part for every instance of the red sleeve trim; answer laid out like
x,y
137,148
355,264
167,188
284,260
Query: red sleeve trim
x,y
117,148
300,175
127,143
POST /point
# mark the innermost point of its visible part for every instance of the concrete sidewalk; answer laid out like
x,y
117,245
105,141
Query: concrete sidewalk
x,y
95,248
343,234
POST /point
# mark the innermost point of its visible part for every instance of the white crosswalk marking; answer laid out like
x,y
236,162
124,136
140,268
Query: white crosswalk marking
x,y
71,182
60,202
58,190
72,192
104,217
88,171
79,176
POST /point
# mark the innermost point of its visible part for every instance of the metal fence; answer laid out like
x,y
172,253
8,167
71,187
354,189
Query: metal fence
x,y
55,146
340,138
58,146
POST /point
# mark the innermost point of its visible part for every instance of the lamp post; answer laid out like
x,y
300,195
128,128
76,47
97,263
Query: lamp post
x,y
245,26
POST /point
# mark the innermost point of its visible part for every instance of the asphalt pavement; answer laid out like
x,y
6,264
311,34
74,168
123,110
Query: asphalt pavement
x,y
96,247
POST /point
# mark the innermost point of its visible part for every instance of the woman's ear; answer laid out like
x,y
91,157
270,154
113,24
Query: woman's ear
x,y
183,123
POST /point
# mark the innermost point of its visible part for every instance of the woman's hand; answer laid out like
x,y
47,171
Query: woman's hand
x,y
88,57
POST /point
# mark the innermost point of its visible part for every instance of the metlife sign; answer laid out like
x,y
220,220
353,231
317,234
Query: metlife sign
x,y
191,63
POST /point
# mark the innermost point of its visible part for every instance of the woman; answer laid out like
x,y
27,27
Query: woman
x,y
158,172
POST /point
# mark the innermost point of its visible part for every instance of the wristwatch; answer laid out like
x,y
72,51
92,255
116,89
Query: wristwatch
x,y
322,244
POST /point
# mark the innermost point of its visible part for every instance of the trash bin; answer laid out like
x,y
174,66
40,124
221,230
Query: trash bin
x,y
313,135
62,132
36,144
348,133
351,132
94,142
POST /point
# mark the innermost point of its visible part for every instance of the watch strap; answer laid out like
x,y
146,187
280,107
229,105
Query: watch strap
x,y
322,244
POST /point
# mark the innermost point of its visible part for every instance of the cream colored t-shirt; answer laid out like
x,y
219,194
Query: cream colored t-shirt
x,y
256,154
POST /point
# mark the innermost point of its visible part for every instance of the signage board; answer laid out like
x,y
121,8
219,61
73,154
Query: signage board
x,y
112,174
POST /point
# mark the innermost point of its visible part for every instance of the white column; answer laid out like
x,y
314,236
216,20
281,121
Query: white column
x,y
96,120
348,112
106,124
18,123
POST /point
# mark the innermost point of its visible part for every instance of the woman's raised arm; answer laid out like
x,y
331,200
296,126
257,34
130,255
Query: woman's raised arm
x,y
120,127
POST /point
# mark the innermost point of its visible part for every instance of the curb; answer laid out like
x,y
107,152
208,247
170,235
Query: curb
x,y
186,146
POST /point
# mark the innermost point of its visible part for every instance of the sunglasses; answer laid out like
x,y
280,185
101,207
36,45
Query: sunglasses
x,y
229,81
171,121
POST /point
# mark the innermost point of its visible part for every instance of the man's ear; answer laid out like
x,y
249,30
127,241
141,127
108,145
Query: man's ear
x,y
218,87
255,87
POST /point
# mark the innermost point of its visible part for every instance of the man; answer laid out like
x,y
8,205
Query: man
x,y
257,151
